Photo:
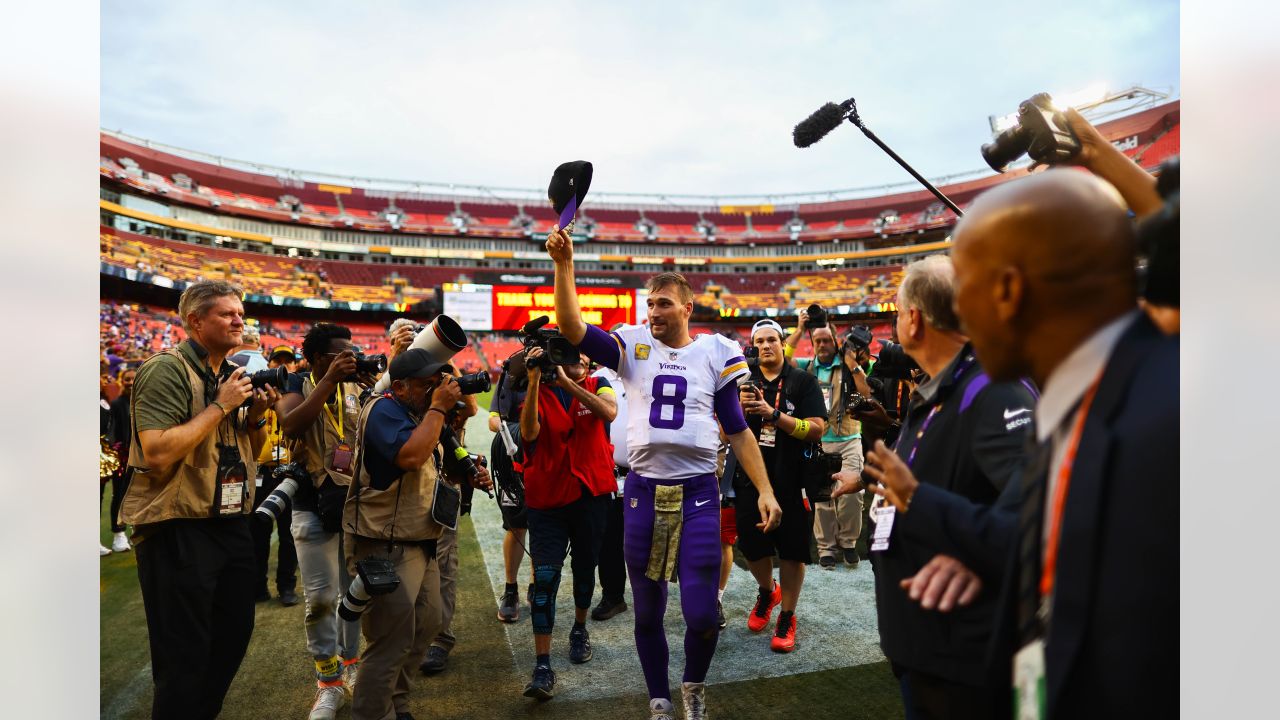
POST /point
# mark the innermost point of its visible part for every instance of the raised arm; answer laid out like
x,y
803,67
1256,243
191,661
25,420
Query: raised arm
x,y
568,314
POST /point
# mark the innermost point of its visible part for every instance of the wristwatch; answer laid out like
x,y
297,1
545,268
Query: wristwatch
x,y
261,421
776,414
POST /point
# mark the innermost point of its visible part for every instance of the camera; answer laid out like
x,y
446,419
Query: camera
x,y
276,377
1041,131
374,576
752,354
894,362
858,337
556,349
817,317
750,385
291,476
818,467
476,382
371,364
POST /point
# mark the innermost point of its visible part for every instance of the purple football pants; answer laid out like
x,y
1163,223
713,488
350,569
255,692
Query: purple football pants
x,y
698,573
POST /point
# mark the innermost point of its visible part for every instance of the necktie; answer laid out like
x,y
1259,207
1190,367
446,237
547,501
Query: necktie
x,y
1030,524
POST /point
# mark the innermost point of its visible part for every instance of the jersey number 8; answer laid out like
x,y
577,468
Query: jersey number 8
x,y
669,391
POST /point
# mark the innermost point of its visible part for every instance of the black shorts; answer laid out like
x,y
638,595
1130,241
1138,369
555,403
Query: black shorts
x,y
789,541
579,524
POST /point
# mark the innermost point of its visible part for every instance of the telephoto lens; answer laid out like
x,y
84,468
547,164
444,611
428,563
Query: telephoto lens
x,y
477,382
280,501
275,377
355,602
372,364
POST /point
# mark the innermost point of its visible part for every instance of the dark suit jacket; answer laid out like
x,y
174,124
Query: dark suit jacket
x,y
1112,646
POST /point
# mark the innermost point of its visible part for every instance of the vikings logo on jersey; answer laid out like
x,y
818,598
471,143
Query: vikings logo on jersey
x,y
671,426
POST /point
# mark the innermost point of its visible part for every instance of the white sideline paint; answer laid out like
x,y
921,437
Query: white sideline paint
x,y
836,621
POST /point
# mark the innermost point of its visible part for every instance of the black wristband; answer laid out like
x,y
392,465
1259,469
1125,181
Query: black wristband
x,y
442,413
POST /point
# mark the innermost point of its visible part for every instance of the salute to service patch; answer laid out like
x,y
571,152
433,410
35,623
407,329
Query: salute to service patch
x,y
642,352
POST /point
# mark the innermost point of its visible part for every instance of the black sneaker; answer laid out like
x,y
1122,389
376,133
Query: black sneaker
x,y
437,659
542,686
827,562
509,610
579,645
607,609
851,557
288,598
720,615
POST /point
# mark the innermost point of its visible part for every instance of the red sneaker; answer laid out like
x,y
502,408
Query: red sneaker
x,y
784,637
760,614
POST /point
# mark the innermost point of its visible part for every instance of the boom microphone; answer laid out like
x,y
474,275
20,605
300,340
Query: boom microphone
x,y
816,126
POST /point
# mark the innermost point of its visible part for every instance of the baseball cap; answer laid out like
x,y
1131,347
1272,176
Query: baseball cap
x,y
568,187
284,350
415,362
767,324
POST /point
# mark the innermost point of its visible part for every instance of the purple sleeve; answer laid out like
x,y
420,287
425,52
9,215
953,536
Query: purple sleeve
x,y
729,410
601,347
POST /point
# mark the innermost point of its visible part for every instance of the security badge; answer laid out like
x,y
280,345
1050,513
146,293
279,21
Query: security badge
x,y
1029,682
642,352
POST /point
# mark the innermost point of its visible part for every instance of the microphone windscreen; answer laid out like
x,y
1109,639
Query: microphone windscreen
x,y
816,126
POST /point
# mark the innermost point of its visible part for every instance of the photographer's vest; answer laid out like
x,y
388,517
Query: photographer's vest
x,y
376,514
314,449
838,421
573,451
188,488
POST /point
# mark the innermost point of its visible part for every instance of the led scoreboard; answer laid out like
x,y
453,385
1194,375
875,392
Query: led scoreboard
x,y
515,305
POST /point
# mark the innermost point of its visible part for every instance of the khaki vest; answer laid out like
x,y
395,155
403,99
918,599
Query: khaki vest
x,y
380,517
838,422
315,448
186,489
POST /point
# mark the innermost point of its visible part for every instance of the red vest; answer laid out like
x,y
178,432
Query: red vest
x,y
572,450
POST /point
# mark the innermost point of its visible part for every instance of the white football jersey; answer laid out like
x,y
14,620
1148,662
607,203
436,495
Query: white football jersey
x,y
671,425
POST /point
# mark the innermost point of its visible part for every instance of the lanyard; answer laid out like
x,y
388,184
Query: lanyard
x,y
1050,569
337,400
964,366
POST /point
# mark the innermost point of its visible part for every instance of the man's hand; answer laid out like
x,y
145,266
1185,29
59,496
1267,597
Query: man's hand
x,y
873,416
896,483
752,399
559,246
263,400
482,480
535,373
802,322
342,367
1092,145
770,513
234,390
446,395
400,341
562,379
846,483
943,583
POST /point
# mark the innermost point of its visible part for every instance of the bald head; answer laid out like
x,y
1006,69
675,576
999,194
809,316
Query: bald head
x,y
1052,252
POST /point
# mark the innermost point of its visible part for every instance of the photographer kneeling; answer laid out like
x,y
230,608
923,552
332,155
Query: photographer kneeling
x,y
568,478
391,528
192,452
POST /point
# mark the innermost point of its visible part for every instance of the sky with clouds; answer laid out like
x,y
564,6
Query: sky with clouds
x,y
663,97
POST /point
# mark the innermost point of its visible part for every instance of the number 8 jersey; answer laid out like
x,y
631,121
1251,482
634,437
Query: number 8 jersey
x,y
671,426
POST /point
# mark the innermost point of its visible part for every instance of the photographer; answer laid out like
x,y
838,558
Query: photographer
x,y
192,454
389,520
568,476
965,434
784,410
504,409
842,380
318,416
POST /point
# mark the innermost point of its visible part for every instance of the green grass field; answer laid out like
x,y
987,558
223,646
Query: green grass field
x,y
481,683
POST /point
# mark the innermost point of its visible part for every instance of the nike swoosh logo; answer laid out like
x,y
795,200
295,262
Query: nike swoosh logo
x,y
1009,415
700,504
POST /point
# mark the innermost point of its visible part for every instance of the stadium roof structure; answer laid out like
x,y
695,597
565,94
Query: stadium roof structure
x,y
1132,132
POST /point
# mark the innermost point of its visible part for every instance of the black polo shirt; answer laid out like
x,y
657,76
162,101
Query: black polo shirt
x,y
797,394
968,435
